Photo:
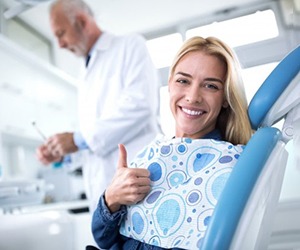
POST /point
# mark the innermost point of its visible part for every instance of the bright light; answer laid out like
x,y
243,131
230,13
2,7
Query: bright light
x,y
167,119
253,78
45,93
242,30
53,215
163,49
54,229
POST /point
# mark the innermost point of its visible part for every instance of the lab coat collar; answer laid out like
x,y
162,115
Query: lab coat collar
x,y
103,43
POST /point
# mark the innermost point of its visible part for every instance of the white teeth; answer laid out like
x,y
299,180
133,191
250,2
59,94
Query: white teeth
x,y
192,112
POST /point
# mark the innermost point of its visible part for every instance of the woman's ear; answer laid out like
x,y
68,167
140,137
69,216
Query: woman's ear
x,y
225,104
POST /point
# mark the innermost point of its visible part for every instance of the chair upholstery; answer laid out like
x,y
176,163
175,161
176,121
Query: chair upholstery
x,y
242,218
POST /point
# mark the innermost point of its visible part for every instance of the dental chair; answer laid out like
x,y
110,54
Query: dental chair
x,y
242,219
243,216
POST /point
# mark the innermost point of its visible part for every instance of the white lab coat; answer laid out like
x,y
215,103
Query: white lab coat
x,y
118,103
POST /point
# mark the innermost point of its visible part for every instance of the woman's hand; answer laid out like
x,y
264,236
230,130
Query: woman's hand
x,y
128,186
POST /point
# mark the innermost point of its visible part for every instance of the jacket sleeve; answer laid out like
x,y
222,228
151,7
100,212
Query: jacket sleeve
x,y
105,226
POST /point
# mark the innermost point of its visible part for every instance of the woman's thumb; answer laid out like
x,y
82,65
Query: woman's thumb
x,y
122,163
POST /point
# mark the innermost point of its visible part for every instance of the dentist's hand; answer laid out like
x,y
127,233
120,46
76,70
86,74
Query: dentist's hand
x,y
45,156
56,147
128,186
61,144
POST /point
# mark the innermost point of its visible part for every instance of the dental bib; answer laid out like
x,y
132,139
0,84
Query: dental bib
x,y
187,177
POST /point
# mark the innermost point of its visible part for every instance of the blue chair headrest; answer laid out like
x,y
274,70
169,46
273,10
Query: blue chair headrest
x,y
272,87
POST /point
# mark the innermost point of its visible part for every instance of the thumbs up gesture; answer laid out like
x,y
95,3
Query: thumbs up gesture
x,y
128,186
122,163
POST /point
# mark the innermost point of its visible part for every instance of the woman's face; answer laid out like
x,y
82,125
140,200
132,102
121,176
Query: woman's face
x,y
197,94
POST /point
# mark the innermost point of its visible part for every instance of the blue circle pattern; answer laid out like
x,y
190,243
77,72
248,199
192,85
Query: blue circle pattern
x,y
155,171
166,150
187,177
181,149
176,178
139,223
153,197
165,223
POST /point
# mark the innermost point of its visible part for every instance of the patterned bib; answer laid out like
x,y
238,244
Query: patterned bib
x,y
187,177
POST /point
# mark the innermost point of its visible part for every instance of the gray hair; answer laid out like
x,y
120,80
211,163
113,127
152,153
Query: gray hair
x,y
72,7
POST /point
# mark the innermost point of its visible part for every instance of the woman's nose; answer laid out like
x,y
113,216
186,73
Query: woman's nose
x,y
193,94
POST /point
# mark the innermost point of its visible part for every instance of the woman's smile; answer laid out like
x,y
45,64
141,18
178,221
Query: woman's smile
x,y
194,113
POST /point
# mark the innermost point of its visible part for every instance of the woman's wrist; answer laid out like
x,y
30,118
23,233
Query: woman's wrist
x,y
110,203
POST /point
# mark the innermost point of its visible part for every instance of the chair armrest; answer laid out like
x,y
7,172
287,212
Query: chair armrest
x,y
238,188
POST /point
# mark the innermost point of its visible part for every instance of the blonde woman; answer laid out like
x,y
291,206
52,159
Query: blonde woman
x,y
165,197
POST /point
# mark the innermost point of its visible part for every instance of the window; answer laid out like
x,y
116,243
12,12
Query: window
x,y
163,49
253,77
242,30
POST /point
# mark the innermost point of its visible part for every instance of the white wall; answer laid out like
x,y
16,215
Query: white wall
x,y
31,90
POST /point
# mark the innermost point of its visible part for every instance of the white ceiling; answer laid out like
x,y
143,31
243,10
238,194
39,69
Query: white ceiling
x,y
122,16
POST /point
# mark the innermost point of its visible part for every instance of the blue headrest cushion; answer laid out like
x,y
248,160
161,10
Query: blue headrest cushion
x,y
272,87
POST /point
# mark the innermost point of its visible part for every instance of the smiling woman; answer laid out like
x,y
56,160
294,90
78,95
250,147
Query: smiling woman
x,y
206,74
167,194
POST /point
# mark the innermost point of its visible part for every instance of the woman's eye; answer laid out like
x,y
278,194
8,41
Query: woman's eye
x,y
211,86
182,81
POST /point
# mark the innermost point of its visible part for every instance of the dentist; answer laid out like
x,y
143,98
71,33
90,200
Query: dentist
x,y
118,96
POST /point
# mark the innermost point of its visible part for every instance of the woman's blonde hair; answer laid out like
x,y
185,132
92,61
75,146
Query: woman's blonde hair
x,y
233,121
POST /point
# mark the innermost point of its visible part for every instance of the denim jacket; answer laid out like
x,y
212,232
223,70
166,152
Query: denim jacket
x,y
105,228
105,225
